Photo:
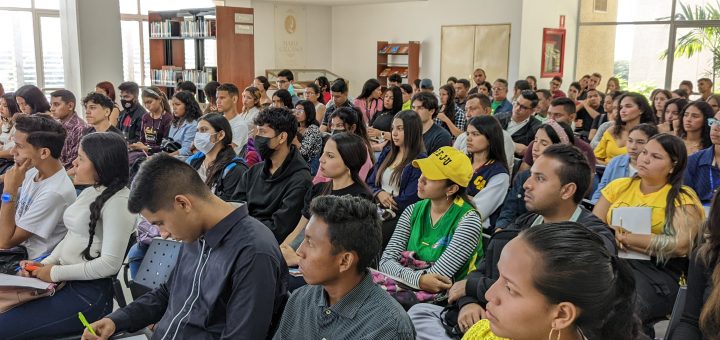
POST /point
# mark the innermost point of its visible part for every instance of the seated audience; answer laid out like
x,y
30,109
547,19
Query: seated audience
x,y
520,85
99,226
98,110
520,123
339,90
450,116
500,103
62,107
37,190
532,81
693,126
407,94
186,112
282,98
347,119
633,110
562,110
130,120
541,110
479,105
676,216
574,91
714,102
216,162
702,173
274,189
394,80
700,318
555,84
658,98
705,88
342,159
380,125
230,278
251,106
369,101
539,292
626,165
491,177
479,78
587,111
342,240
263,85
155,123
324,84
434,137
8,114
680,93
610,109
309,138
228,95
285,81
314,95
671,122
610,117
107,89
560,177
613,85
186,86
436,240
461,93
210,91
31,100
393,180
686,86
546,135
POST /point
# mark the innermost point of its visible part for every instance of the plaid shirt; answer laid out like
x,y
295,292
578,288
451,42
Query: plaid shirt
x,y
459,120
74,128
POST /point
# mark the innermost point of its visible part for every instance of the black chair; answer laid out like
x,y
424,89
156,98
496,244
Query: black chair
x,y
156,267
677,311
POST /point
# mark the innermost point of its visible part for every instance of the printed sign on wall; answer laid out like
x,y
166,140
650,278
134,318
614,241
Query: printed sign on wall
x,y
290,31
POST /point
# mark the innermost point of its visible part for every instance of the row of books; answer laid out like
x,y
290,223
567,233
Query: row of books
x,y
394,49
388,71
183,29
170,76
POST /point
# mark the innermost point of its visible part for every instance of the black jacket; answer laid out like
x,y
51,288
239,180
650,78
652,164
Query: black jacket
x,y
225,184
480,280
526,134
132,134
276,200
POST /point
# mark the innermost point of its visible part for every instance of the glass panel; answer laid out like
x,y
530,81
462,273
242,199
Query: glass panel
x,y
695,66
129,6
146,53
625,52
17,52
697,10
131,50
189,54
47,4
625,10
170,5
210,52
52,52
16,3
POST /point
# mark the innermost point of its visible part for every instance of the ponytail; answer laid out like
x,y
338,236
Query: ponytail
x,y
96,211
621,321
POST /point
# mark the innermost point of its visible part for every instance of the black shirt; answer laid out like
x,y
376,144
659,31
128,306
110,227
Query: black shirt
x,y
699,287
436,138
383,121
231,284
587,118
355,190
91,129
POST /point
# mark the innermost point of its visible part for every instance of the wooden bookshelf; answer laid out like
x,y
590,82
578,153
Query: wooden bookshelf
x,y
401,58
169,31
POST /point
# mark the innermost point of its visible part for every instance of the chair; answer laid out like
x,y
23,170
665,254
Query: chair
x,y
119,295
156,267
677,311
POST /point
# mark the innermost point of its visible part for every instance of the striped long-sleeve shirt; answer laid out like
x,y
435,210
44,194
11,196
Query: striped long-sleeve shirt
x,y
463,243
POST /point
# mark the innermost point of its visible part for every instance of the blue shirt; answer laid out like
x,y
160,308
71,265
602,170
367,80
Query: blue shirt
x,y
185,135
618,167
702,175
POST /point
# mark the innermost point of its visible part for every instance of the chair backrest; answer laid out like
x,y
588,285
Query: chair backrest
x,y
677,311
159,261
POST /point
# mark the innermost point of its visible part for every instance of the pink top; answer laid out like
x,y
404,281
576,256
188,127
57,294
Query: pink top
x,y
364,170
375,106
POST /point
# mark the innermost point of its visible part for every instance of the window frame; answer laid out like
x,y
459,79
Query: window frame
x,y
139,19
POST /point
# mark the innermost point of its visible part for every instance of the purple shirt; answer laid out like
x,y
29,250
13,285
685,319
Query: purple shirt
x,y
74,128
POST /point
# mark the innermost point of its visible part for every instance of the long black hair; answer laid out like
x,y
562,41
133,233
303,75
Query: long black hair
x,y
192,108
599,284
489,127
107,152
354,154
646,113
226,155
449,109
309,109
10,102
707,112
324,84
286,98
680,103
34,98
709,252
350,116
396,104
413,144
368,88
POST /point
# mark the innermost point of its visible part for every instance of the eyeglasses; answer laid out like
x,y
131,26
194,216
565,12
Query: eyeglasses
x,y
712,122
297,111
523,106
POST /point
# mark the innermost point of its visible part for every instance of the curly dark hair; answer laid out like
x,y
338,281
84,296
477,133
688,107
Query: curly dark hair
x,y
192,108
279,119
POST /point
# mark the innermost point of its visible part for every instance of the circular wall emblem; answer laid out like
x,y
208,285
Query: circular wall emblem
x,y
290,24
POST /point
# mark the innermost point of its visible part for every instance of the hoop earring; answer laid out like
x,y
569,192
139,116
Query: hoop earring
x,y
550,336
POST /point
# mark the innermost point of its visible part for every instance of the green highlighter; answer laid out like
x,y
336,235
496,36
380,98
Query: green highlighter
x,y
85,323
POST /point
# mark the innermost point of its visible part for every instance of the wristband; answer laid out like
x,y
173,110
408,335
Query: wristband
x,y
7,198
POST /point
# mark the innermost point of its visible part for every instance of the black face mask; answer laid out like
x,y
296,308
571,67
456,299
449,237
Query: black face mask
x,y
262,145
128,104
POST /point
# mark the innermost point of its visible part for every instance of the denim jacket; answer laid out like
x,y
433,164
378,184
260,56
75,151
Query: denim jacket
x,y
618,167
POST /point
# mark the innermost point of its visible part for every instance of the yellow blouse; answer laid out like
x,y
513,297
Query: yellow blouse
x,y
608,148
481,331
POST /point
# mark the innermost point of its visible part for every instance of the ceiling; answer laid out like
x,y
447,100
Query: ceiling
x,y
338,2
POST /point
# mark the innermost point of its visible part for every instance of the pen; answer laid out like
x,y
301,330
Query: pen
x,y
86,324
39,258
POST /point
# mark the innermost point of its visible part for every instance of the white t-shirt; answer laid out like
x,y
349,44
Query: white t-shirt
x,y
40,209
240,132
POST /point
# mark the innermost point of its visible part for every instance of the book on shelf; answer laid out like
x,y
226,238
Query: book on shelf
x,y
385,72
384,50
170,76
403,49
395,49
404,73
200,28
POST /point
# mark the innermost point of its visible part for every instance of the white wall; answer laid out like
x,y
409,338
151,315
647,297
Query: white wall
x,y
537,15
356,29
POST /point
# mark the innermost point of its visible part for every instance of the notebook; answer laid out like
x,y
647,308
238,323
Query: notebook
x,y
637,220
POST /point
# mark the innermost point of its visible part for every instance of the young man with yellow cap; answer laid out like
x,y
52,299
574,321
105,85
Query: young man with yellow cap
x,y
442,230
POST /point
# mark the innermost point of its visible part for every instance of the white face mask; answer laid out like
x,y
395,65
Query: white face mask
x,y
202,142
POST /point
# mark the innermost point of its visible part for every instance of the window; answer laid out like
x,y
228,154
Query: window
x,y
135,36
31,52
630,41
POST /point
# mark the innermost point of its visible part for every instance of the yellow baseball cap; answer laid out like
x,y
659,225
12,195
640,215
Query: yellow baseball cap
x,y
446,163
